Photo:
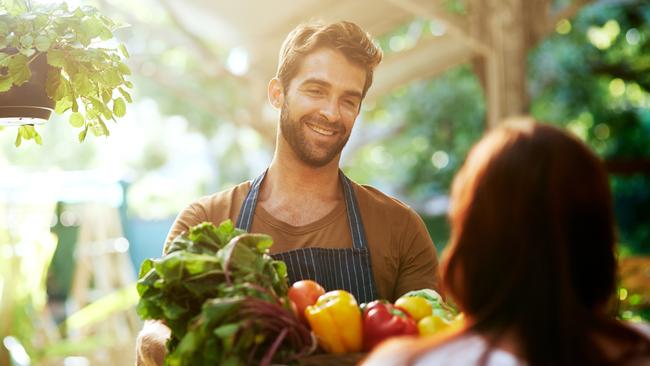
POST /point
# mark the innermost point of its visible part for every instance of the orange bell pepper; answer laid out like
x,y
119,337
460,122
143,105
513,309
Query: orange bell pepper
x,y
336,322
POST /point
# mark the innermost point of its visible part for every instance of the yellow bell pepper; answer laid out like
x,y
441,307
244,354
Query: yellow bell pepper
x,y
336,322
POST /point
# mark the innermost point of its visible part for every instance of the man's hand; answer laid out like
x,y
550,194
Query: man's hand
x,y
150,345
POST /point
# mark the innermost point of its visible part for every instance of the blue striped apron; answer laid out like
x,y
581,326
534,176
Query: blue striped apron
x,y
333,268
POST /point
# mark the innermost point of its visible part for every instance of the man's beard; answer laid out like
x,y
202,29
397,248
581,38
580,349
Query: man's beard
x,y
310,151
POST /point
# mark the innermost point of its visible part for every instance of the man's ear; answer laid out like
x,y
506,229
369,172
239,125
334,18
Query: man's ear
x,y
276,93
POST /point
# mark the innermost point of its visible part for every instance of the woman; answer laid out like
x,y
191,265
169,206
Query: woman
x,y
531,259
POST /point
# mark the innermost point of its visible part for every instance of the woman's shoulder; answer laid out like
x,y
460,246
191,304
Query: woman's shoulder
x,y
467,350
459,350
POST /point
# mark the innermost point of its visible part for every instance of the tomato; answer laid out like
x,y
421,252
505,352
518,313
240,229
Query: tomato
x,y
416,306
304,293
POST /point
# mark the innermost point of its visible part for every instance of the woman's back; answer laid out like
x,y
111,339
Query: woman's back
x,y
531,258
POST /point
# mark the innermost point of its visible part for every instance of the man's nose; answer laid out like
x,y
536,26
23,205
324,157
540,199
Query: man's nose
x,y
331,110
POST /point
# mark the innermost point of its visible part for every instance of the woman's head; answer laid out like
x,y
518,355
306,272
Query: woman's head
x,y
532,229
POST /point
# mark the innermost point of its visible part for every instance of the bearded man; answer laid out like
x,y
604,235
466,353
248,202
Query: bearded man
x,y
324,226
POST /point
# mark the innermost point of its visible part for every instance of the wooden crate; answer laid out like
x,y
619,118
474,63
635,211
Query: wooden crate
x,y
348,359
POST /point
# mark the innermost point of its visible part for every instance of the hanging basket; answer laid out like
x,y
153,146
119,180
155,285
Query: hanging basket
x,y
27,103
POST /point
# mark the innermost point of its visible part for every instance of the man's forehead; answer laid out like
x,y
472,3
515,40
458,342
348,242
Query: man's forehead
x,y
329,66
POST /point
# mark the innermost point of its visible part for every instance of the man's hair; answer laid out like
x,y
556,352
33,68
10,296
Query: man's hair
x,y
348,38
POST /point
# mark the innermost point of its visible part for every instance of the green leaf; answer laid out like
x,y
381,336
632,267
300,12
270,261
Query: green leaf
x,y
82,85
6,82
76,119
112,77
124,68
97,129
38,139
126,95
119,107
125,53
42,43
82,134
91,27
26,41
27,131
105,34
19,139
52,83
15,7
19,69
106,96
56,58
27,51
104,129
62,105
64,90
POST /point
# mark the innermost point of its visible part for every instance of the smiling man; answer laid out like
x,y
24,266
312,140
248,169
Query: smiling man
x,y
325,227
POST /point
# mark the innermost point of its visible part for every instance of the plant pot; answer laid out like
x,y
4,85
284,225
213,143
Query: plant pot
x,y
27,103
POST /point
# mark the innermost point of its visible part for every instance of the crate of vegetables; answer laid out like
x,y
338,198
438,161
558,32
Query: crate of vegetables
x,y
227,302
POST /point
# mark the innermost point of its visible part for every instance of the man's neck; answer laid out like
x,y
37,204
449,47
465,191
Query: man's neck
x,y
299,194
296,181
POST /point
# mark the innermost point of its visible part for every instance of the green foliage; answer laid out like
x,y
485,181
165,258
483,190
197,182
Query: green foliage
x,y
434,123
23,270
85,77
216,289
594,80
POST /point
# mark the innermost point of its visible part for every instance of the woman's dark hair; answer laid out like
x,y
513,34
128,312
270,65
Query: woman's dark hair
x,y
532,244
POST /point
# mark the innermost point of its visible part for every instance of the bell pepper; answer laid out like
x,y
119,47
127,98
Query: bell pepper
x,y
416,306
336,322
382,320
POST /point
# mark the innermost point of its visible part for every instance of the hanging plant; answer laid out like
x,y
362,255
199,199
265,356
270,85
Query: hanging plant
x,y
80,72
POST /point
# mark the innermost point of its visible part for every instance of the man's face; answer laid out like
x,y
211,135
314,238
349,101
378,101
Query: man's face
x,y
320,106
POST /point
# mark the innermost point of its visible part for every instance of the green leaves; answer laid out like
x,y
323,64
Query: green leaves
x,y
82,77
56,58
27,132
42,43
5,83
18,69
199,286
119,107
76,119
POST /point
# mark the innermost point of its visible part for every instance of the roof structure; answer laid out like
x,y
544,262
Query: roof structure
x,y
494,35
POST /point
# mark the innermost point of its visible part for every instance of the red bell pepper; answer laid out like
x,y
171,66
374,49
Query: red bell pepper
x,y
382,320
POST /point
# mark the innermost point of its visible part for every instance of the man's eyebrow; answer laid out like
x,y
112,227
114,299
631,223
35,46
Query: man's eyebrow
x,y
323,83
316,81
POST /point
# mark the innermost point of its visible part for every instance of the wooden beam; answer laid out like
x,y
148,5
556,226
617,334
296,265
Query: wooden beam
x,y
419,10
429,57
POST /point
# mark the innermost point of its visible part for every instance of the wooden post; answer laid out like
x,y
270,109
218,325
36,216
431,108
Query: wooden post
x,y
510,28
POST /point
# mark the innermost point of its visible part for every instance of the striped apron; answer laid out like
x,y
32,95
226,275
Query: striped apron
x,y
333,268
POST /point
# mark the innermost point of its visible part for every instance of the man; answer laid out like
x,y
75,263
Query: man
x,y
324,226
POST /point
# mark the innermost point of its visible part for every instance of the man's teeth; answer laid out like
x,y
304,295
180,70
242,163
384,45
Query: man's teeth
x,y
322,131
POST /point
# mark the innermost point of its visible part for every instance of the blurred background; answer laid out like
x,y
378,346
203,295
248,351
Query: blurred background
x,y
77,219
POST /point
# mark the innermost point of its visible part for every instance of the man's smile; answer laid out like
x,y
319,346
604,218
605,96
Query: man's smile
x,y
320,129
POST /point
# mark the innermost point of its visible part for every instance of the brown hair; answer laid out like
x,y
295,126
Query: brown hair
x,y
348,38
532,245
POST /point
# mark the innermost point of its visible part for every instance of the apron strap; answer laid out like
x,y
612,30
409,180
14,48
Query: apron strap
x,y
354,215
245,219
247,211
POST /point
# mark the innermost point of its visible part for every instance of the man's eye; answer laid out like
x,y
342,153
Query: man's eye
x,y
315,91
350,103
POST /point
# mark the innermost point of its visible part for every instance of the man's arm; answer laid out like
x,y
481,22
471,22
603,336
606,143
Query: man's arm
x,y
150,345
418,259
